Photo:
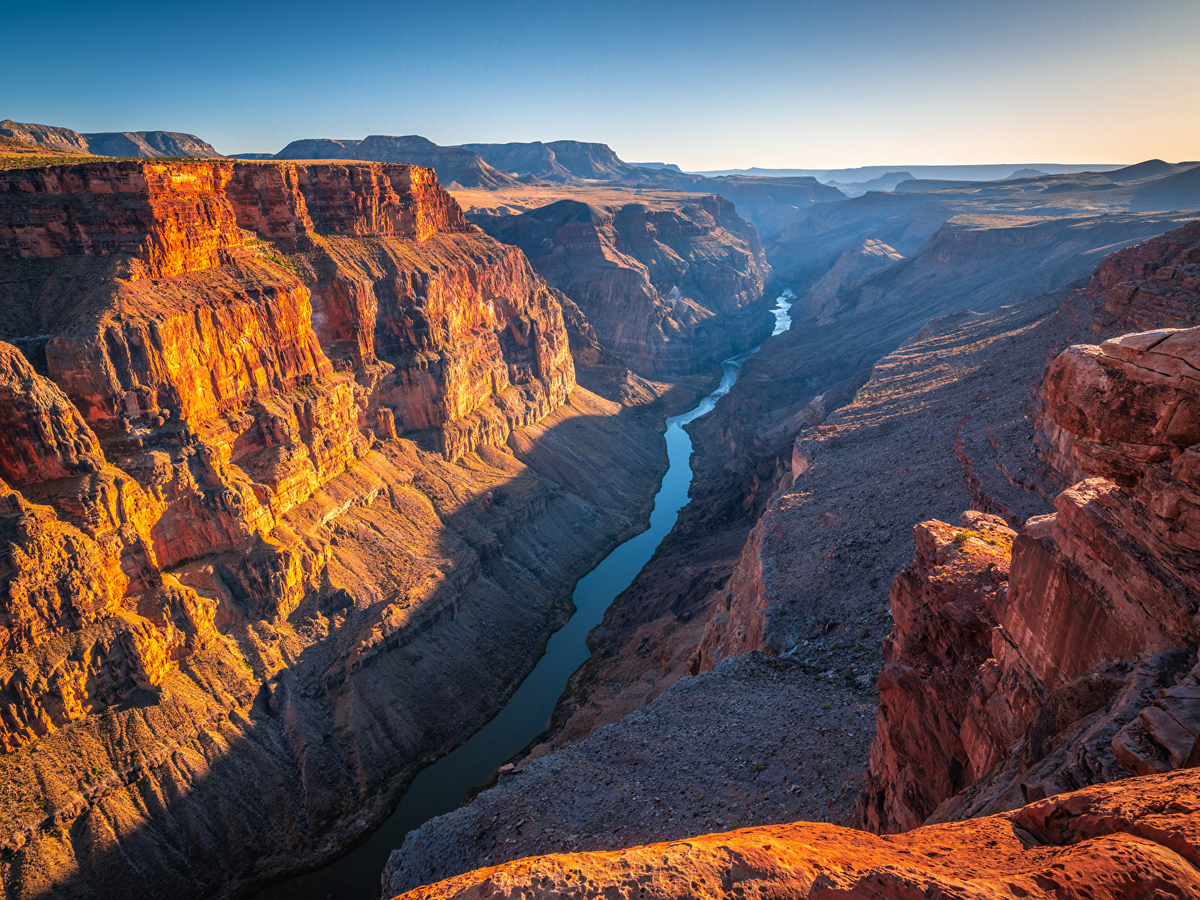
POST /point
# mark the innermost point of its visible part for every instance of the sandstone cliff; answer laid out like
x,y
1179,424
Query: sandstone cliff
x,y
259,474
670,287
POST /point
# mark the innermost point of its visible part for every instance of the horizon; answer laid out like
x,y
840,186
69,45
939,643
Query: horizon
x,y
703,86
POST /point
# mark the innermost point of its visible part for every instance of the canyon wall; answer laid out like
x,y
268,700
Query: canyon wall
x,y
668,286
1063,672
284,448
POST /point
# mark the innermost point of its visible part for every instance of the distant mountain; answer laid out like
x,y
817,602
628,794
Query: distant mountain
x,y
671,167
145,144
531,158
1178,191
1151,168
558,161
46,136
939,173
882,183
1026,173
455,166
149,144
252,156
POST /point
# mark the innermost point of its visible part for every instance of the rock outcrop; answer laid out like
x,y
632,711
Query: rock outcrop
x,y
1137,838
260,470
1063,661
671,287
1152,285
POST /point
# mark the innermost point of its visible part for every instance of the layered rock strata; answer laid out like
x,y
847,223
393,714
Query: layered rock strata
x,y
1137,838
285,447
1024,664
147,144
668,287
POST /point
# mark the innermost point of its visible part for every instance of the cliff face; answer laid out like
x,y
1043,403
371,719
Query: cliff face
x,y
1064,661
1118,841
257,478
672,287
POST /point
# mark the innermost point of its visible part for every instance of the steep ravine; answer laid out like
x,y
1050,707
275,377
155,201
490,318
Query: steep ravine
x,y
440,787
1040,681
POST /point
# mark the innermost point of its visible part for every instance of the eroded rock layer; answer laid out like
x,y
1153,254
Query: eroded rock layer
x,y
669,286
270,536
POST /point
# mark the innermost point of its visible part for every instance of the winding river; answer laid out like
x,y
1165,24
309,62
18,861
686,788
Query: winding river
x,y
440,787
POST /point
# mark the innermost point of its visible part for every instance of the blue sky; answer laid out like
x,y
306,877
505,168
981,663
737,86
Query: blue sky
x,y
705,85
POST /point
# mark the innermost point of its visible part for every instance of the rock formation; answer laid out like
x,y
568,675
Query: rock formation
x,y
1025,664
672,287
260,469
1133,839
943,422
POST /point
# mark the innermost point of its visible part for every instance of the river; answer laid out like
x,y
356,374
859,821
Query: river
x,y
441,786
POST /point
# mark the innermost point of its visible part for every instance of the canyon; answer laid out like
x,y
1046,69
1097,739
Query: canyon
x,y
303,457
795,538
670,287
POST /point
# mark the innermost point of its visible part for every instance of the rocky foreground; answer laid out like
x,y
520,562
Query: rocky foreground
x,y
1138,838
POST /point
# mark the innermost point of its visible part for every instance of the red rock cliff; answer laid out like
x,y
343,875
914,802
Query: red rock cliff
x,y
1068,664
1152,285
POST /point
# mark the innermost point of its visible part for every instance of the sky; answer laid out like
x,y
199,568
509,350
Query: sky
x,y
705,85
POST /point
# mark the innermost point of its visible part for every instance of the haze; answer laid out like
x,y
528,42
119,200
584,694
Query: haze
x,y
704,85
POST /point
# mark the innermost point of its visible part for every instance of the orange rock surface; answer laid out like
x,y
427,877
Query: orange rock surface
x,y
1137,838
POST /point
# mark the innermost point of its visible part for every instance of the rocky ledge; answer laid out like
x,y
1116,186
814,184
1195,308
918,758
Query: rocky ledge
x,y
1138,838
